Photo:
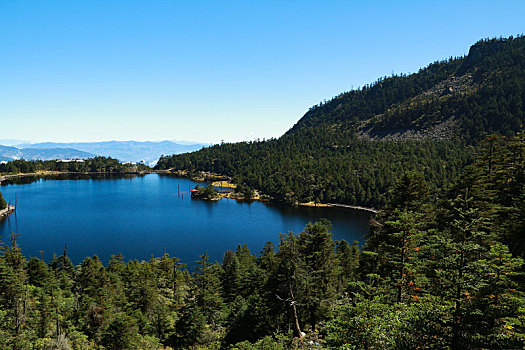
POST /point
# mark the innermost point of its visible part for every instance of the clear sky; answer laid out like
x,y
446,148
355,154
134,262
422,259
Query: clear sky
x,y
213,70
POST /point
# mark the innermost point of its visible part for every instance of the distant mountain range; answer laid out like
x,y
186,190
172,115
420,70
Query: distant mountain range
x,y
8,153
132,151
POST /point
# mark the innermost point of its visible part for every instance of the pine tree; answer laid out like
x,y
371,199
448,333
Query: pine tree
x,y
402,239
208,293
348,260
13,296
231,278
288,281
496,309
456,267
318,253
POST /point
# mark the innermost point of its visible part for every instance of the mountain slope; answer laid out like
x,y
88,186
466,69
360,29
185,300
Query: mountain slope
x,y
466,97
332,154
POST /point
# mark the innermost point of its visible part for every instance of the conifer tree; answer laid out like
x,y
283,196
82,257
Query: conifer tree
x,y
318,253
456,267
496,309
231,278
348,260
208,293
399,253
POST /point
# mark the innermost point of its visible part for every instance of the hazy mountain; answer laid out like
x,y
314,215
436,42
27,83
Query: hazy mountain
x,y
8,153
187,143
133,151
12,142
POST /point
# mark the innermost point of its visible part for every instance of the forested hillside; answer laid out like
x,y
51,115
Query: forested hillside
x,y
443,274
303,167
95,164
479,94
125,151
425,121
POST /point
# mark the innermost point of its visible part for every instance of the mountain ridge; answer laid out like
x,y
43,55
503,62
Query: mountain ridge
x,y
133,151
409,106
352,148
8,153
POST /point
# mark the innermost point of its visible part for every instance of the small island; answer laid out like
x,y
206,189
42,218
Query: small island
x,y
208,193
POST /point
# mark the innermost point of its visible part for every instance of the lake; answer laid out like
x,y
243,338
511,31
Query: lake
x,y
144,216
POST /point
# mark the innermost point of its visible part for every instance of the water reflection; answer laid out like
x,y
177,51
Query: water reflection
x,y
140,216
24,180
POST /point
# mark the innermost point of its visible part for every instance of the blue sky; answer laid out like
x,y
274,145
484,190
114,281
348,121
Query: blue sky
x,y
213,70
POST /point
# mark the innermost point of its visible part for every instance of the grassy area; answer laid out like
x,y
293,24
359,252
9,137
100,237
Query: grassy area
x,y
313,204
224,184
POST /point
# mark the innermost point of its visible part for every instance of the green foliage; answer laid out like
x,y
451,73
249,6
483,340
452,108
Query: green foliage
x,y
277,342
326,166
482,92
373,324
246,191
190,328
96,164
209,193
209,298
348,257
3,203
433,274
121,333
410,191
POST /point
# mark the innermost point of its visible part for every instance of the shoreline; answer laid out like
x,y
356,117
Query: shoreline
x,y
186,174
56,173
354,207
338,205
4,213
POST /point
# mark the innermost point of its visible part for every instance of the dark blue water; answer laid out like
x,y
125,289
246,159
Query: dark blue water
x,y
149,215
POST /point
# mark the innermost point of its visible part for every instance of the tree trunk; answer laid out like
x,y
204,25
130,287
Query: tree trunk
x,y
294,314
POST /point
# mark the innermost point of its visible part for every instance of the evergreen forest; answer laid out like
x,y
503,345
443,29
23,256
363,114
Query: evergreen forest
x,y
95,165
442,273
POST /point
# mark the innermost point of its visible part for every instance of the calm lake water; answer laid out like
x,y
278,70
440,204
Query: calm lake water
x,y
144,216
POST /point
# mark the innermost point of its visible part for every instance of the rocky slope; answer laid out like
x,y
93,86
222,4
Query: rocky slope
x,y
465,97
